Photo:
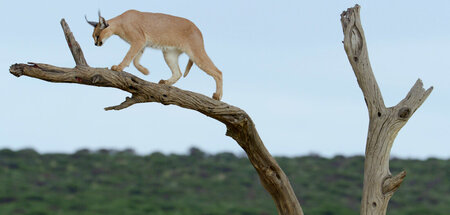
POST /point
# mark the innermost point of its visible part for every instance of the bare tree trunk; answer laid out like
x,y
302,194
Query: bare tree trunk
x,y
384,124
239,125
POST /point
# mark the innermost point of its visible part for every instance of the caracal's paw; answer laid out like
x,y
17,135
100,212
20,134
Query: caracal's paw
x,y
116,68
144,71
216,96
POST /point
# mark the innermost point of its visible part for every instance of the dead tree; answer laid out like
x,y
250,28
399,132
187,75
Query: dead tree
x,y
385,123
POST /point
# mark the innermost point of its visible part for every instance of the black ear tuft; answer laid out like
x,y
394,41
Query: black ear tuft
x,y
90,22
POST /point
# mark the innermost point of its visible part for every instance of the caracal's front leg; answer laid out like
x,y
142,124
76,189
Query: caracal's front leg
x,y
134,50
171,57
138,65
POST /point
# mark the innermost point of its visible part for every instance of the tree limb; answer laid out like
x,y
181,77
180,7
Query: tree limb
x,y
384,124
239,125
75,48
391,184
127,103
356,48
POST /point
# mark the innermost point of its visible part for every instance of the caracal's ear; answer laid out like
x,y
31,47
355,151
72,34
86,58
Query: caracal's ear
x,y
102,21
90,22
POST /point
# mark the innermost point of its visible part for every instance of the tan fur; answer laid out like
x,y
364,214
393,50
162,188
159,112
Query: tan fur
x,y
173,35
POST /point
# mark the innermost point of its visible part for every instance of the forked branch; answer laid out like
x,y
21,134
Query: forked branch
x,y
239,125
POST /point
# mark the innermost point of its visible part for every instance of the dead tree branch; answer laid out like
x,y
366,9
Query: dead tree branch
x,y
239,125
384,124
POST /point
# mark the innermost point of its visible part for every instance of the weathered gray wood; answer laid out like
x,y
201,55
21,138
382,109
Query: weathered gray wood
x,y
384,124
75,48
239,125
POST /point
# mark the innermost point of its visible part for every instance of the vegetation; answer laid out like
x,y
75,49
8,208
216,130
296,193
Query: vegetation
x,y
120,182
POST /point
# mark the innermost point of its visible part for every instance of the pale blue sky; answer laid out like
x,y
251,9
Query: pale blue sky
x,y
283,63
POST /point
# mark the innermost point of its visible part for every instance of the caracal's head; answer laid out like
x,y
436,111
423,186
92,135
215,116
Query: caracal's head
x,y
99,34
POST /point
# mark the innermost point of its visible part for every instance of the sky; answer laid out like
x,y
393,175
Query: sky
x,y
283,62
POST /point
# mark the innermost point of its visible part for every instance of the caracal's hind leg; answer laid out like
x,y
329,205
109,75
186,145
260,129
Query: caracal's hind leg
x,y
138,65
217,75
171,58
202,60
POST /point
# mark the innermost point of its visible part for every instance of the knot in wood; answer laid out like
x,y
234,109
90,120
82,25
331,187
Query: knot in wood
x,y
96,79
272,172
404,113
356,42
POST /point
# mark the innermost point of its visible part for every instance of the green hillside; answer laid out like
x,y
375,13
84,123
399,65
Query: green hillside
x,y
112,183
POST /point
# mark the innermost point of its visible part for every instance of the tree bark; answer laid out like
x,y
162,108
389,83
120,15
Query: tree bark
x,y
384,123
239,125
